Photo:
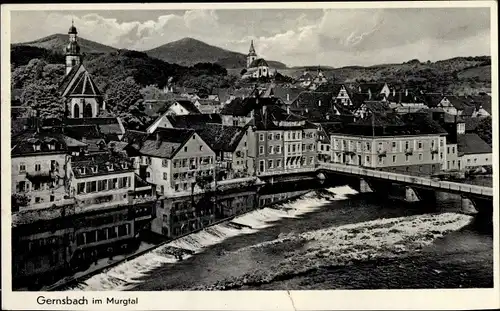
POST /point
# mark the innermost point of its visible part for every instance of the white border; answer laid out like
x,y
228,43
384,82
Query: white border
x,y
456,299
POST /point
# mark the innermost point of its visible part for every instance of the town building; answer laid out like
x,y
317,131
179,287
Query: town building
x,y
40,163
286,142
256,67
318,107
208,105
411,143
374,90
171,158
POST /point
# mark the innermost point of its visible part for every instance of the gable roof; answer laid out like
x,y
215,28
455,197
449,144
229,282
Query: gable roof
x,y
315,106
258,62
164,142
22,144
378,107
83,85
191,120
68,78
188,105
221,137
374,87
471,143
243,107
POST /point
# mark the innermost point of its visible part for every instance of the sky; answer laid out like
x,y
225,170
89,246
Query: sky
x,y
332,37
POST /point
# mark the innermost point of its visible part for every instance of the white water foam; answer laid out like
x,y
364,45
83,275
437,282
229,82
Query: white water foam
x,y
124,275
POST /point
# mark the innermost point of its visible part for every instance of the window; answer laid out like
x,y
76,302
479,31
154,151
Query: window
x,y
270,164
164,162
38,167
186,148
271,150
367,159
448,150
419,145
278,163
269,136
407,158
148,175
368,146
433,156
278,136
452,149
80,188
261,137
420,157
380,146
475,160
453,162
52,198
448,164
261,149
38,200
289,148
278,149
293,148
311,160
293,135
22,167
441,155
407,145
393,145
261,165
201,148
381,160
165,176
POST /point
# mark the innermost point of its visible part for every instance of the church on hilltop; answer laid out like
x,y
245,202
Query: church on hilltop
x,y
256,67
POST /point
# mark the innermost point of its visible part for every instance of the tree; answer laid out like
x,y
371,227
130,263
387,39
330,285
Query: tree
x,y
18,200
125,100
152,92
44,98
484,130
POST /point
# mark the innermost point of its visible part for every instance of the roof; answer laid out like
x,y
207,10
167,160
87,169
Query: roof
x,y
471,143
243,107
154,107
188,105
315,106
22,144
472,123
100,164
164,142
274,115
19,125
404,97
105,125
375,87
432,99
286,94
334,88
391,125
258,62
84,86
190,120
379,107
67,78
221,137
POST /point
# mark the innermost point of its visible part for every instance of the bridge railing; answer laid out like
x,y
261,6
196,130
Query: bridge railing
x,y
487,191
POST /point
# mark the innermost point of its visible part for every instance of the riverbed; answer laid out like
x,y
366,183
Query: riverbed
x,y
331,238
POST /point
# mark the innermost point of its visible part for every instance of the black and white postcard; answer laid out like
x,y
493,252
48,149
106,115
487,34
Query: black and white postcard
x,y
284,156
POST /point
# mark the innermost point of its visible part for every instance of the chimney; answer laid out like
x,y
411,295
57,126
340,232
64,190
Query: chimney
x,y
288,109
287,97
319,103
406,92
158,141
394,92
369,94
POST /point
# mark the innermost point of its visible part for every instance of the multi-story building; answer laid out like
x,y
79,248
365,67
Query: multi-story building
x,y
40,165
171,159
405,143
285,142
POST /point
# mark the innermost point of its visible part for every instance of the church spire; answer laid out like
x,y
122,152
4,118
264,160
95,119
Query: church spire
x,y
252,49
72,50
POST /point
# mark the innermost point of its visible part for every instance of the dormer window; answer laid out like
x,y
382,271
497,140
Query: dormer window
x,y
94,169
82,170
110,167
124,166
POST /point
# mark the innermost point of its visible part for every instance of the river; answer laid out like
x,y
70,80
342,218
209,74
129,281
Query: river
x,y
330,238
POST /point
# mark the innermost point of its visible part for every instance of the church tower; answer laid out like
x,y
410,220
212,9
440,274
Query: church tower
x,y
72,50
251,55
